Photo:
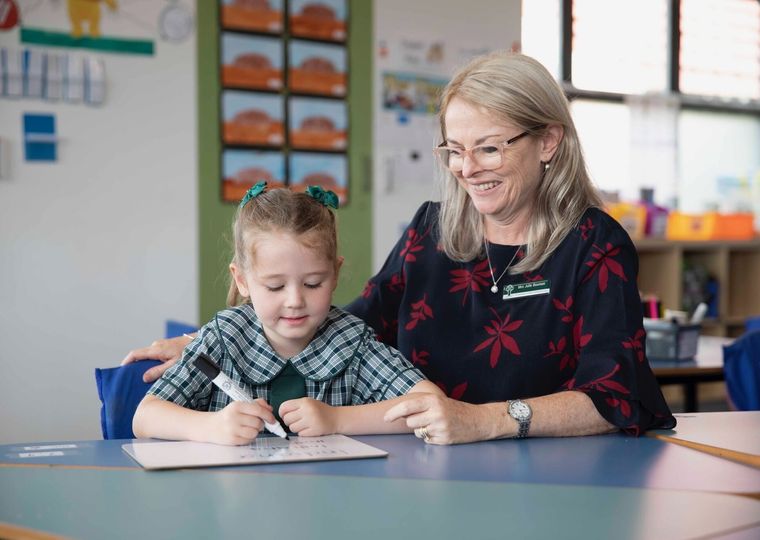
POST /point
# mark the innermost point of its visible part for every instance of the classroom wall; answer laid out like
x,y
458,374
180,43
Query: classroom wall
x,y
98,248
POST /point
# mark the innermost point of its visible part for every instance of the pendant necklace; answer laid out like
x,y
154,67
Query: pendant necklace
x,y
495,286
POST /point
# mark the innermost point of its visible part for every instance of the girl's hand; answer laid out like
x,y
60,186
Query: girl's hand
x,y
446,420
308,417
168,351
239,422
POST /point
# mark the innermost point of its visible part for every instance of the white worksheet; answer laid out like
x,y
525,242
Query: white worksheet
x,y
184,454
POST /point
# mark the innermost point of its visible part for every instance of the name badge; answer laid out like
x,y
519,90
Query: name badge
x,y
530,288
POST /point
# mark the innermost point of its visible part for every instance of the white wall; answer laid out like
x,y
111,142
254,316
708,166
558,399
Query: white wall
x,y
100,247
404,31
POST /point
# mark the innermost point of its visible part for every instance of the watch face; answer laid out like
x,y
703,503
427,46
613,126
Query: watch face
x,y
519,409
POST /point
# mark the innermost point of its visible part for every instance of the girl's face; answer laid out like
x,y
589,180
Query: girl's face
x,y
503,192
290,287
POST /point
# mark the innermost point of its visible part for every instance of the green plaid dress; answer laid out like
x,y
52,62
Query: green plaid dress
x,y
343,365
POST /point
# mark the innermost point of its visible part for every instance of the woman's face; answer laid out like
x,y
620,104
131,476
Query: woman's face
x,y
507,191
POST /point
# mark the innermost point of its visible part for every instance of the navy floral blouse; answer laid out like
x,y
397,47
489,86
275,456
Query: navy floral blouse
x,y
575,324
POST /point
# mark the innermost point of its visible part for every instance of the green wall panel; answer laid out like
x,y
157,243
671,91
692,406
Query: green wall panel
x,y
215,216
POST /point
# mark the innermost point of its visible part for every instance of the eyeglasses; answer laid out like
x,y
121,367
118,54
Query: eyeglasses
x,y
487,156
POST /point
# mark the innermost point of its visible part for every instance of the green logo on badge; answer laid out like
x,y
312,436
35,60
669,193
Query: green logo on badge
x,y
529,288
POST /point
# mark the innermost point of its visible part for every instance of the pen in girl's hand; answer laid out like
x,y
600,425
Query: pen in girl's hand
x,y
209,368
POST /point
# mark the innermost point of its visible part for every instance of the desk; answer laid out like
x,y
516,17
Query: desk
x,y
707,366
587,487
731,435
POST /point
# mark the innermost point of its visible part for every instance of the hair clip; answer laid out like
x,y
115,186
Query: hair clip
x,y
327,198
255,191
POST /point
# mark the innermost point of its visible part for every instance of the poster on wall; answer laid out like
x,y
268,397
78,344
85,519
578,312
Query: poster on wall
x,y
241,169
252,118
318,19
324,170
253,16
251,62
317,68
106,26
318,124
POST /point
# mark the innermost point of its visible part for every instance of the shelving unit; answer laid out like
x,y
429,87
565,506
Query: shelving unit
x,y
734,264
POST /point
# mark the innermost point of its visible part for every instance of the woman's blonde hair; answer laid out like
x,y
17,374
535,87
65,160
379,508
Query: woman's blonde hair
x,y
281,210
519,90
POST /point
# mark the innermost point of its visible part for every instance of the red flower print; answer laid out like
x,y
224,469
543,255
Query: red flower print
x,y
636,344
602,384
420,312
564,306
456,393
420,358
368,288
499,331
559,348
467,280
389,334
585,228
528,277
604,263
412,245
397,283
623,404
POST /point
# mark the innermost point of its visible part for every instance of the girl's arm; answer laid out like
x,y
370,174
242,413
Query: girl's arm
x,y
309,417
238,423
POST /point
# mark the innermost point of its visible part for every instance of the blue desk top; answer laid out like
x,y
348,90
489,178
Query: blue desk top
x,y
608,486
607,460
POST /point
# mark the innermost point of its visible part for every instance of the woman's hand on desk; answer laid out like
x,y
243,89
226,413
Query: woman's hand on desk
x,y
449,421
168,351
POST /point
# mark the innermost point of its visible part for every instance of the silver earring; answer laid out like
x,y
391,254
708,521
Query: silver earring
x,y
546,167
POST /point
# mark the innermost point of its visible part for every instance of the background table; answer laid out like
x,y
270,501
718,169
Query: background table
x,y
707,366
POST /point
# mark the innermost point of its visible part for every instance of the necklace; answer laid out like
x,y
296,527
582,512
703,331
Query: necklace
x,y
495,286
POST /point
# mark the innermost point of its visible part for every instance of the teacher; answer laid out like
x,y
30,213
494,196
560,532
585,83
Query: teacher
x,y
516,294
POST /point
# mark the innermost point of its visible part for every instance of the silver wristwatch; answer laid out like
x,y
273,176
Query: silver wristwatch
x,y
520,411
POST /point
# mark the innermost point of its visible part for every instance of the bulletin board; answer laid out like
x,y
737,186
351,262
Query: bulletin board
x,y
283,95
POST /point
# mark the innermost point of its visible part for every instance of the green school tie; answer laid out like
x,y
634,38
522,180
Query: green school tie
x,y
289,384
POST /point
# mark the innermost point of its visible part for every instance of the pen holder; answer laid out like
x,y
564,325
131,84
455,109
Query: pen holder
x,y
670,341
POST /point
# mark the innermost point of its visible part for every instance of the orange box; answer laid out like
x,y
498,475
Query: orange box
x,y
710,226
632,217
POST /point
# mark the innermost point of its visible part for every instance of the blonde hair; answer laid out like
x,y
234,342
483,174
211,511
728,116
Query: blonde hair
x,y
517,89
281,210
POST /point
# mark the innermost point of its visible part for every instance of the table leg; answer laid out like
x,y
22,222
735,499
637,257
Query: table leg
x,y
690,397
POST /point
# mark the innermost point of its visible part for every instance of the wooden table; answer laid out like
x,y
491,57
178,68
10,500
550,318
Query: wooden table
x,y
707,366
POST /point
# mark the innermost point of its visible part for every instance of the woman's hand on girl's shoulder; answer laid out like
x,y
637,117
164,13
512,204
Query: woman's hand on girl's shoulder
x,y
168,351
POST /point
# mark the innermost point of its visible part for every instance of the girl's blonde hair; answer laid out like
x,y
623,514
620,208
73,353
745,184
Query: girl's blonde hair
x,y
281,210
517,89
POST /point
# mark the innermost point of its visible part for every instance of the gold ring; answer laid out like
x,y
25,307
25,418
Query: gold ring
x,y
425,434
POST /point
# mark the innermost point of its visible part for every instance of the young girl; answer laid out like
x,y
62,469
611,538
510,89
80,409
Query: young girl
x,y
314,366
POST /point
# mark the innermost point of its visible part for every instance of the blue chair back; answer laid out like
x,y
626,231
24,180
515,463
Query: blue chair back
x,y
741,365
121,389
752,324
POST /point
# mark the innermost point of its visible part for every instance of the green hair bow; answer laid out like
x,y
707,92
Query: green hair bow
x,y
328,198
255,191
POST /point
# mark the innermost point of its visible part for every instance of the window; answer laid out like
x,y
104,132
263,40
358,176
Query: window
x,y
663,92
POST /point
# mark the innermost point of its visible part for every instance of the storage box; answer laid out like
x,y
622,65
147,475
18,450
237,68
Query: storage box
x,y
710,226
632,217
671,342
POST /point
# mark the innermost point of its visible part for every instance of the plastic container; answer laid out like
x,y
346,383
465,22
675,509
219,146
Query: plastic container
x,y
671,342
632,217
710,226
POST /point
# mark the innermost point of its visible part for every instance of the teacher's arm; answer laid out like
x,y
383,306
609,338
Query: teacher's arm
x,y
168,351
449,421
